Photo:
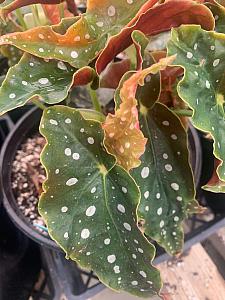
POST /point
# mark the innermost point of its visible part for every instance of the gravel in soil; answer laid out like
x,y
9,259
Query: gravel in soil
x,y
27,177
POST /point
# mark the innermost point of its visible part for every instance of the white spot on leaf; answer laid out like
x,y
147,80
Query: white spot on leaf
x,y
145,172
71,181
85,233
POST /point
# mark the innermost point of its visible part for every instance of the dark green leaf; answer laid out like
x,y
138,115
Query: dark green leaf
x,y
202,55
49,81
89,204
165,178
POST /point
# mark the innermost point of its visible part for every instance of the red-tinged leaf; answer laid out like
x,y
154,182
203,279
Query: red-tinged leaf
x,y
215,184
169,78
84,76
21,3
52,12
140,42
113,73
83,40
158,19
123,138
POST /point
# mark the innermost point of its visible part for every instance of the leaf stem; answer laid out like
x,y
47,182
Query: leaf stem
x,y
183,112
39,104
35,14
61,10
20,18
94,99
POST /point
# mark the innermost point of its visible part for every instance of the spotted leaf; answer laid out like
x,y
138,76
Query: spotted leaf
x,y
48,81
164,177
123,138
84,39
172,13
202,55
89,204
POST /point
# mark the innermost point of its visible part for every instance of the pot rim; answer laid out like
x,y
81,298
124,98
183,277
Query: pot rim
x,y
12,142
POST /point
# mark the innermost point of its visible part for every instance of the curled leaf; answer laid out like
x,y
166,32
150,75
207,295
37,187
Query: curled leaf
x,y
172,13
123,138
83,40
215,184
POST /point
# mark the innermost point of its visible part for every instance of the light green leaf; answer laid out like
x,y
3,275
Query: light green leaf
x,y
202,55
48,81
89,204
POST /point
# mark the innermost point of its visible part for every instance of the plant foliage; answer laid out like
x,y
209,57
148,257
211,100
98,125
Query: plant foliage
x,y
117,181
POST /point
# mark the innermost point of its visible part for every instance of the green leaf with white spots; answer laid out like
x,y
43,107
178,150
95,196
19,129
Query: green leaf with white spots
x,y
164,177
202,55
49,81
83,40
89,204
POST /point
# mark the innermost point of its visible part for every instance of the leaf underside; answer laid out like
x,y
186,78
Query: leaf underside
x,y
173,13
89,204
202,55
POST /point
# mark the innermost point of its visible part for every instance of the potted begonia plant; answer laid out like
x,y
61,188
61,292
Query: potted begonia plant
x,y
116,181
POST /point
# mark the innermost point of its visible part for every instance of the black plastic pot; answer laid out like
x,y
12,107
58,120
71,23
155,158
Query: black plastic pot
x,y
17,252
24,128
216,201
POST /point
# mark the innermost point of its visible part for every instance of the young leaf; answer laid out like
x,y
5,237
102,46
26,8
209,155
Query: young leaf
x,y
123,138
50,81
83,40
202,55
89,204
173,13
